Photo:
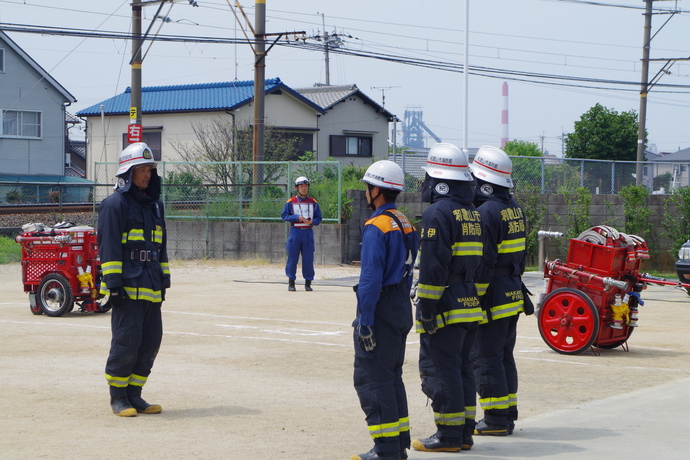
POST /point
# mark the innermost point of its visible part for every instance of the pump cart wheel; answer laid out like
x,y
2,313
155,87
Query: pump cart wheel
x,y
35,309
54,295
568,321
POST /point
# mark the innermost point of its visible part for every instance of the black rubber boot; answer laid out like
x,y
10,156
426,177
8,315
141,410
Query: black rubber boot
x,y
141,406
291,285
307,285
434,444
120,404
484,428
467,440
372,455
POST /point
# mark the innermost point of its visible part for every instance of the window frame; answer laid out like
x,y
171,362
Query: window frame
x,y
21,125
342,146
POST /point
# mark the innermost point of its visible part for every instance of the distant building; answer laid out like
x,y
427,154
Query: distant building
x,y
170,114
354,129
33,132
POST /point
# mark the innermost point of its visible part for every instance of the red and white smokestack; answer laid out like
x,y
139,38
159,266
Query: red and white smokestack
x,y
504,116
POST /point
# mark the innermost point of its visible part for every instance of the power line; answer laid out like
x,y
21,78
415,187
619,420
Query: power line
x,y
514,75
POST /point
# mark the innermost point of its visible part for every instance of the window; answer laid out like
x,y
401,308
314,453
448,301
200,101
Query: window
x,y
350,145
2,60
150,137
16,123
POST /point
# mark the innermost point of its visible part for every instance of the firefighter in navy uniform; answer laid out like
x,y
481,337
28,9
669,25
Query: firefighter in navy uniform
x,y
132,250
447,308
384,314
502,293
302,212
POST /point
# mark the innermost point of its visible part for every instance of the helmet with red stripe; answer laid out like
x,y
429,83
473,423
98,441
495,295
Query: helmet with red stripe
x,y
385,174
493,165
134,155
446,161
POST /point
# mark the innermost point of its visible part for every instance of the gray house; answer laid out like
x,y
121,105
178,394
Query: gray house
x,y
33,132
354,129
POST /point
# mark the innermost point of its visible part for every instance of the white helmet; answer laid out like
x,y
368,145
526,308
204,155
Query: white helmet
x,y
301,180
134,155
385,174
446,161
493,165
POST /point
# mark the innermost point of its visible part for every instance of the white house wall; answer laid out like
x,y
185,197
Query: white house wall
x,y
282,111
350,117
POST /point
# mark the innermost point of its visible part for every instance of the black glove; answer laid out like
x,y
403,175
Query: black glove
x,y
365,336
528,306
428,321
117,296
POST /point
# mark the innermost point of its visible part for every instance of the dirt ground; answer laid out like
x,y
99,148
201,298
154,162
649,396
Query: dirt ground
x,y
249,371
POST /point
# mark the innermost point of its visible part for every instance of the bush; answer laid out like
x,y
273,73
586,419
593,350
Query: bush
x,y
10,250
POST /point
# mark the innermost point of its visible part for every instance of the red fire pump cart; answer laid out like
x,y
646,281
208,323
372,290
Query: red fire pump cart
x,y
60,266
592,299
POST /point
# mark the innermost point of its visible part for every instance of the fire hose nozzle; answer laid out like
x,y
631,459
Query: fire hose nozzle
x,y
622,285
547,234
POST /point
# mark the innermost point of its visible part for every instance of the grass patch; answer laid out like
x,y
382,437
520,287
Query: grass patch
x,y
10,250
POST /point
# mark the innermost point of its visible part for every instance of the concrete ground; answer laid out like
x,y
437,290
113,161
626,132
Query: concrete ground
x,y
250,371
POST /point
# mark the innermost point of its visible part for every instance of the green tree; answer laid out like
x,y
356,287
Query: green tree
x,y
526,171
604,134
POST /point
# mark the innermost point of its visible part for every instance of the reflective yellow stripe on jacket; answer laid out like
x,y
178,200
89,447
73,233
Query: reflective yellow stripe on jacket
x,y
506,310
460,315
429,291
112,268
508,246
468,248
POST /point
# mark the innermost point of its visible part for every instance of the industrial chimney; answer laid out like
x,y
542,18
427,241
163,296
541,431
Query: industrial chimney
x,y
504,116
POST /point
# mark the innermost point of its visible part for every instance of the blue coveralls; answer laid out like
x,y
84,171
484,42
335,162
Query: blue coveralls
x,y
301,238
450,258
383,303
133,253
501,293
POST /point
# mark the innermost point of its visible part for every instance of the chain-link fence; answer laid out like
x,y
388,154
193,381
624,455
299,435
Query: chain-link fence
x,y
564,175
228,191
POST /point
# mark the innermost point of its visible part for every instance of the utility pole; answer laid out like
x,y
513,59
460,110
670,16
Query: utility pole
x,y
466,74
259,91
383,93
646,84
258,45
644,89
135,97
325,49
135,130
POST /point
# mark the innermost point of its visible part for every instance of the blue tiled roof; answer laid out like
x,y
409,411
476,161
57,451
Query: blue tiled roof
x,y
192,98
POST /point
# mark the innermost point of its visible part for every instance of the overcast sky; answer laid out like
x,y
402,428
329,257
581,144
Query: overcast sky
x,y
579,45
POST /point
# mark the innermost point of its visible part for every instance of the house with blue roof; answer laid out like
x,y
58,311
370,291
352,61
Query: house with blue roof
x,y
33,130
170,113
333,122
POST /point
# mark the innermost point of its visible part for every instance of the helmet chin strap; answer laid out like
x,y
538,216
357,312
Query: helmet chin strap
x,y
370,204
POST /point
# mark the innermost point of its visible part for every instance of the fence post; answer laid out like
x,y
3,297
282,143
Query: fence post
x,y
582,173
613,177
543,176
